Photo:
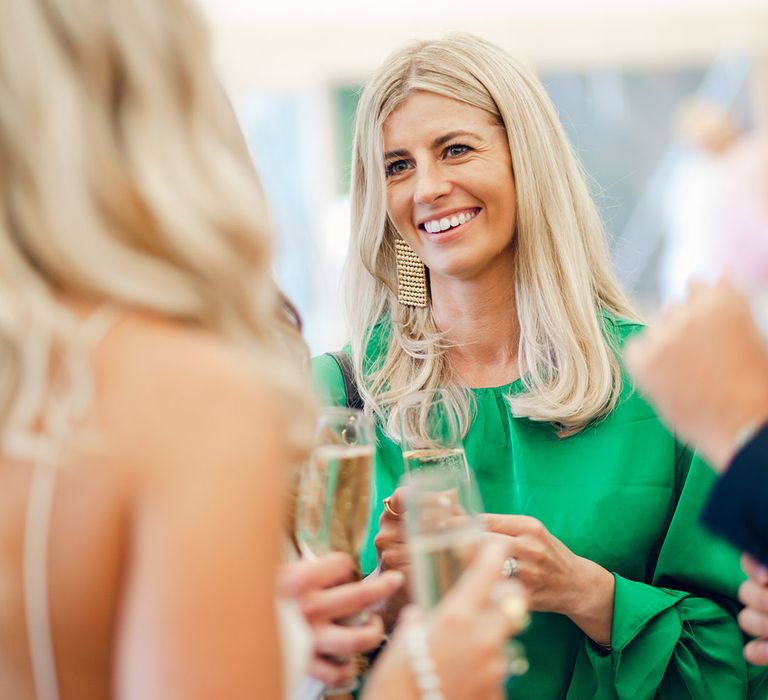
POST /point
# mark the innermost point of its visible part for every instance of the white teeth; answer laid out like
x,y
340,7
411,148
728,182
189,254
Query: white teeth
x,y
438,225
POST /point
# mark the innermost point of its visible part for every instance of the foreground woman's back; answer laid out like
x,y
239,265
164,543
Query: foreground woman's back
x,y
150,591
127,202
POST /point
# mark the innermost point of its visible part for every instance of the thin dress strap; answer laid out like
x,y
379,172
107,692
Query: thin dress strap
x,y
39,504
37,529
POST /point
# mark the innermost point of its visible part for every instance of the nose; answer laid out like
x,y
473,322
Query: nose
x,y
431,184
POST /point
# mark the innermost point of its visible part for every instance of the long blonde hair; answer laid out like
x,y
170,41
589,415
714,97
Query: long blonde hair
x,y
124,177
564,284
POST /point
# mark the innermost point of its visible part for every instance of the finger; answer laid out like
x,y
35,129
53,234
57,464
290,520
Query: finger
x,y
340,640
331,673
474,586
756,652
397,504
391,531
513,525
754,569
754,622
754,596
505,541
305,575
397,558
351,598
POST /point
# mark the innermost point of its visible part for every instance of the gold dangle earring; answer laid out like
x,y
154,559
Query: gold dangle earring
x,y
411,276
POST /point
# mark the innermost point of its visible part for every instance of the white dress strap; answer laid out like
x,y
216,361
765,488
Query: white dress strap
x,y
36,533
40,498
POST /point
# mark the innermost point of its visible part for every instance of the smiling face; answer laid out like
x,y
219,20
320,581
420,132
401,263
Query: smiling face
x,y
450,187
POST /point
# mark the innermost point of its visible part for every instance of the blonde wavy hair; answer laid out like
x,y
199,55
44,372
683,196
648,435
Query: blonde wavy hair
x,y
564,284
124,178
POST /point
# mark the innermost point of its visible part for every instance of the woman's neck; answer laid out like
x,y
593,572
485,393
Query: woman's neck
x,y
480,319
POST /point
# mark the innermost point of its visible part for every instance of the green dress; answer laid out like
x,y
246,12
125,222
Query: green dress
x,y
625,494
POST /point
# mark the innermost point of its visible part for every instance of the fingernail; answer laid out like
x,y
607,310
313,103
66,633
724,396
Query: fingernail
x,y
397,576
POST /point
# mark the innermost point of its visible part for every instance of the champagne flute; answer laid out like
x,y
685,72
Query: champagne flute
x,y
334,494
430,433
443,530
444,533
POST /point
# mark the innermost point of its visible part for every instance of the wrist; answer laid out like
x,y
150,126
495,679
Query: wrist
x,y
590,605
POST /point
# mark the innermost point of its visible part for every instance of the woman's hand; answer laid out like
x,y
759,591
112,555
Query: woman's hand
x,y
667,363
392,551
390,541
558,580
326,594
465,635
754,618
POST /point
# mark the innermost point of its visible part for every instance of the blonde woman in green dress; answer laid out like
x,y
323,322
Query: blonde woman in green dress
x,y
478,264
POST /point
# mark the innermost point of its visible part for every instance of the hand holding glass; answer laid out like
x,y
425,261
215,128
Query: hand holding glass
x,y
334,495
445,533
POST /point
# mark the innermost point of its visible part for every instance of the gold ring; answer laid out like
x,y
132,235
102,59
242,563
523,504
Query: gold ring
x,y
388,507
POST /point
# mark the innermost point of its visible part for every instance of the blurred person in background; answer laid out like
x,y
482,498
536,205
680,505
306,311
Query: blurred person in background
x,y
743,242
152,398
705,367
478,264
694,202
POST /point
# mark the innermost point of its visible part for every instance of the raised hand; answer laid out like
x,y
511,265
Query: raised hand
x,y
326,593
557,580
754,617
466,634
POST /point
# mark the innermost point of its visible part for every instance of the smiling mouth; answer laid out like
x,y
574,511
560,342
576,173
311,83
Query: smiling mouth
x,y
448,223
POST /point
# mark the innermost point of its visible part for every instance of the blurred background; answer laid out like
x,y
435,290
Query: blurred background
x,y
663,101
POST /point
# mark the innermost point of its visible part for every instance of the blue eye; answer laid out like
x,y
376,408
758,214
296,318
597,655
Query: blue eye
x,y
396,167
456,149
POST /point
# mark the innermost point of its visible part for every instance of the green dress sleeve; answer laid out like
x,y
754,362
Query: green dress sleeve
x,y
327,381
676,637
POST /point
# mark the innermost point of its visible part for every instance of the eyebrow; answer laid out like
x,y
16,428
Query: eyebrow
x,y
439,141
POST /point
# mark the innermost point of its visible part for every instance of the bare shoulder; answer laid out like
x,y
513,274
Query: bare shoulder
x,y
170,394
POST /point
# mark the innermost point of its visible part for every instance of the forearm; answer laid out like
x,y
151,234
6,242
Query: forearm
x,y
391,678
590,603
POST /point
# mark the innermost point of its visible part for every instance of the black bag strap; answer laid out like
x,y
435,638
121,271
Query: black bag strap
x,y
344,361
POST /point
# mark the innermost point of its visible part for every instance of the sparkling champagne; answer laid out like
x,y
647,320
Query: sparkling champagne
x,y
438,459
335,500
440,559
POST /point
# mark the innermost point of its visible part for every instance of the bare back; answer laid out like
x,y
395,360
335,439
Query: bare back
x,y
163,543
